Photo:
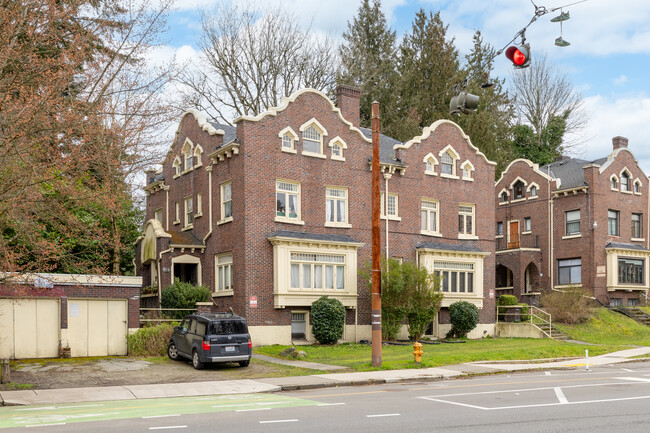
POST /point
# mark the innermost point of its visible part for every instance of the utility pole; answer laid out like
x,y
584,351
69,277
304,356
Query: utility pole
x,y
376,245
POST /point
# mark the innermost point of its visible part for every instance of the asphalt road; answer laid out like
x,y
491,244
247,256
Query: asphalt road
x,y
604,399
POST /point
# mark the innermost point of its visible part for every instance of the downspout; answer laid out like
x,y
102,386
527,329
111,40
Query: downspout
x,y
550,228
209,170
386,177
167,209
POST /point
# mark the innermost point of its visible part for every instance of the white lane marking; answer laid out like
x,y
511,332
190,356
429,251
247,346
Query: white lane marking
x,y
160,416
534,389
383,414
635,379
526,406
627,369
329,404
278,420
548,373
167,427
57,407
44,425
253,410
560,396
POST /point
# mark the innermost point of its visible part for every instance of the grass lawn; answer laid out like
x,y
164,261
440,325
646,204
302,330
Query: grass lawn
x,y
359,356
609,327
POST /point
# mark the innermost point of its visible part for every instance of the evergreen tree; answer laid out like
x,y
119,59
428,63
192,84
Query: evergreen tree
x,y
368,60
428,66
489,127
543,148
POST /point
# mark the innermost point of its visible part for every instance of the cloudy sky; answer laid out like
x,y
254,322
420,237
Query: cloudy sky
x,y
608,59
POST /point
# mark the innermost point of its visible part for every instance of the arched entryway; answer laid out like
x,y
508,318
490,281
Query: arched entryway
x,y
532,279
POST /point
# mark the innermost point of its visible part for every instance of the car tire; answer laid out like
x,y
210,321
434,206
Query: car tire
x,y
244,363
196,361
172,352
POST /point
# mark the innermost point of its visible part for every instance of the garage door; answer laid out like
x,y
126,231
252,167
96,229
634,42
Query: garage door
x,y
97,327
29,328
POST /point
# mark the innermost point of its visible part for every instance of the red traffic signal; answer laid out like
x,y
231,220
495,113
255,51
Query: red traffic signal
x,y
519,56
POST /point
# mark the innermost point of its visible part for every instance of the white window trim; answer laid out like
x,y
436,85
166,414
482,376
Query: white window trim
x,y
323,132
613,177
473,234
161,215
177,167
199,206
529,231
223,219
467,163
383,204
188,154
637,182
429,232
298,220
198,154
228,292
345,224
188,259
507,195
497,235
294,138
533,197
434,162
337,140
186,225
177,209
455,158
566,221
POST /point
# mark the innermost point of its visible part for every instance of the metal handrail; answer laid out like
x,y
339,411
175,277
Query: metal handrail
x,y
536,316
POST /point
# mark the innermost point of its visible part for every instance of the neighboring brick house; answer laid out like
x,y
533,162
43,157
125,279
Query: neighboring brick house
x,y
274,212
574,223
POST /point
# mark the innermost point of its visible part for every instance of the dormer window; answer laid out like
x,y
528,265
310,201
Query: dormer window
x,y
177,167
467,168
637,186
198,153
430,163
504,197
533,191
188,160
613,182
289,139
625,182
312,138
338,145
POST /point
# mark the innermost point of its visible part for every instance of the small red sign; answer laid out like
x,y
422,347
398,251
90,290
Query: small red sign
x,y
253,302
491,293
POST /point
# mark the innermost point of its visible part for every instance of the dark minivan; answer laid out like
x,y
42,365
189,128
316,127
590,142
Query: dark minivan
x,y
209,338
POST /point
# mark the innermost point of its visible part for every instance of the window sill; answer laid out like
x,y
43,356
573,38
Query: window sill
x,y
498,237
533,197
579,235
200,164
465,236
638,239
314,155
392,218
223,293
338,225
569,286
468,179
637,193
176,222
430,173
337,158
526,233
198,215
516,200
224,221
289,150
614,189
186,171
428,233
627,192
449,176
176,176
187,227
501,203
289,221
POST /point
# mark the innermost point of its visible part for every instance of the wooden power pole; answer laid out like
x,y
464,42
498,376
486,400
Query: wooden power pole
x,y
376,242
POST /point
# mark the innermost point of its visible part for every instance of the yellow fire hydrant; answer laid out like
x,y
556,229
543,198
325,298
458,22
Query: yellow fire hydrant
x,y
417,352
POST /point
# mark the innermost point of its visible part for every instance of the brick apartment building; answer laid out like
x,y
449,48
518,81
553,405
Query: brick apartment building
x,y
274,212
574,223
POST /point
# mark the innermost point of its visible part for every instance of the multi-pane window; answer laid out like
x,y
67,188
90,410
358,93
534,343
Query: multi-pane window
x,y
223,273
499,228
612,222
336,150
466,219
533,191
392,205
630,271
287,200
310,271
504,197
189,160
637,231
429,165
467,171
527,224
569,271
177,167
311,140
455,277
158,215
446,164
336,204
429,216
572,219
226,200
519,190
287,141
188,211
625,182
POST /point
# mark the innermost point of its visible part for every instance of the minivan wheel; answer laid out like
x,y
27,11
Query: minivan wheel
x,y
196,362
244,363
172,351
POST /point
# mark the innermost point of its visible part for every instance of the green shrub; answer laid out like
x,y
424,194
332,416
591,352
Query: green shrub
x,y
463,317
525,312
150,341
570,306
505,300
328,319
183,295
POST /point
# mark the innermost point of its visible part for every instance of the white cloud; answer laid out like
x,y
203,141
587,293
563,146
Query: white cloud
x,y
620,80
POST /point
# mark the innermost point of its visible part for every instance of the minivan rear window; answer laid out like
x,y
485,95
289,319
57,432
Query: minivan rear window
x,y
228,327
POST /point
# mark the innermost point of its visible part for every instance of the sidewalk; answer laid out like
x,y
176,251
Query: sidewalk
x,y
337,378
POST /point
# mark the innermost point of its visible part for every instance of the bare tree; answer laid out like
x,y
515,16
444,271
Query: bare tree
x,y
249,61
542,93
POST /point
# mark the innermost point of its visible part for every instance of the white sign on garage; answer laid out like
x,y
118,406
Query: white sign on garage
x,y
97,327
29,328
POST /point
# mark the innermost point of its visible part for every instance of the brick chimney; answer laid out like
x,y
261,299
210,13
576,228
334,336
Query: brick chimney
x,y
348,99
618,142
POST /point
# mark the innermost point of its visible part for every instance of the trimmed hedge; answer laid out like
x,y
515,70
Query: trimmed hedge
x,y
183,295
328,319
463,317
150,341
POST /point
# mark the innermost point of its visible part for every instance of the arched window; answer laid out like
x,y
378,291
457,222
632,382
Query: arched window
x,y
312,138
447,164
338,146
289,139
519,190
625,181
